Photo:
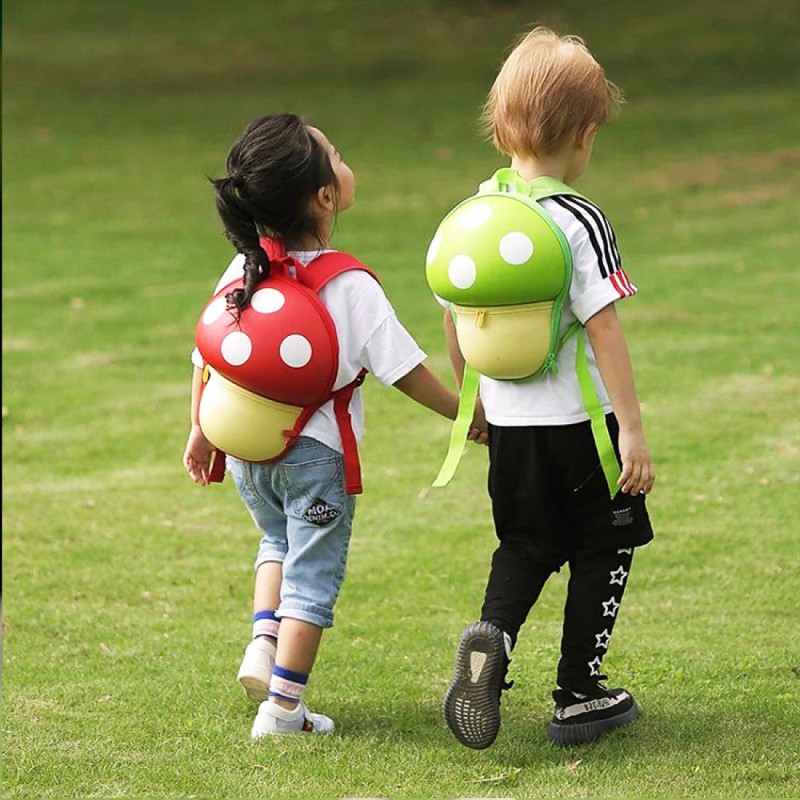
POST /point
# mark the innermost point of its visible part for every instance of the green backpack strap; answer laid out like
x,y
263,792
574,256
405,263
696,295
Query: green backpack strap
x,y
594,408
508,180
458,433
591,401
542,187
545,186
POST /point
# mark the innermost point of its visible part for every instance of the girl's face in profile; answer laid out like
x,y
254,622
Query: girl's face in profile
x,y
347,181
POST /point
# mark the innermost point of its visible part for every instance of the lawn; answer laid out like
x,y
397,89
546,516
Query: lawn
x,y
127,588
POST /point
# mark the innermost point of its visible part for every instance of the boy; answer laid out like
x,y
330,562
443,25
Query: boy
x,y
550,502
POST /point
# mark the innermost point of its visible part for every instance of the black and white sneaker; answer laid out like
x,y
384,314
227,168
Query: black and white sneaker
x,y
471,705
578,719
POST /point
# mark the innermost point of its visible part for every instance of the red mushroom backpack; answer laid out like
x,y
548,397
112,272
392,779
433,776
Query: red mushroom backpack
x,y
267,373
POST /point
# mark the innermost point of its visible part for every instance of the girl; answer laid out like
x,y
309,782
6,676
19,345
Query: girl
x,y
288,182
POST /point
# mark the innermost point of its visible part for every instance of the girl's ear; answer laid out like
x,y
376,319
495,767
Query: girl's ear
x,y
326,198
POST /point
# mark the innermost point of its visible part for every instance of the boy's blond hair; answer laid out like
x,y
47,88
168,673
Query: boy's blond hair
x,y
549,91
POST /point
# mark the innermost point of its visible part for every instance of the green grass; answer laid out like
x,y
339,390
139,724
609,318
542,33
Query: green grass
x,y
127,589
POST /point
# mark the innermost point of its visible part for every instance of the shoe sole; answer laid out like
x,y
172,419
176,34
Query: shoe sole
x,y
255,688
471,706
585,732
255,671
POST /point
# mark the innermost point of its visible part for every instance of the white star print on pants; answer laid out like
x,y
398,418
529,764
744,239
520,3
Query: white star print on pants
x,y
610,608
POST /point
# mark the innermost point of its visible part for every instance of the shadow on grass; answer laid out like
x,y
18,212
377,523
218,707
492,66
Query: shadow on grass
x,y
522,740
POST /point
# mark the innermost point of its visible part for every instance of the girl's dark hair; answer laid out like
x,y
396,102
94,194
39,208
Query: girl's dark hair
x,y
275,168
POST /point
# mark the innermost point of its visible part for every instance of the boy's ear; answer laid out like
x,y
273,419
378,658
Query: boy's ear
x,y
326,198
586,136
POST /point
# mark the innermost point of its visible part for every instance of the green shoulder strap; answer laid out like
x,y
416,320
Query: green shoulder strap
x,y
507,179
458,433
542,187
466,408
545,186
594,408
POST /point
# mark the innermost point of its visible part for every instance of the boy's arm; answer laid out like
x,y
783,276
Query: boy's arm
x,y
453,350
197,455
479,431
613,360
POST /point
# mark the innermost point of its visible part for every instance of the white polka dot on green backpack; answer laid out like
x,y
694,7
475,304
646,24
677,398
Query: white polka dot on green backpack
x,y
495,249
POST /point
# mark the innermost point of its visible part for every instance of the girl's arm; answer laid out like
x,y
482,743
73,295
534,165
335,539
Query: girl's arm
x,y
614,362
426,389
197,455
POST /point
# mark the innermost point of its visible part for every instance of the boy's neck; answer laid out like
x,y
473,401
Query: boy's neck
x,y
530,167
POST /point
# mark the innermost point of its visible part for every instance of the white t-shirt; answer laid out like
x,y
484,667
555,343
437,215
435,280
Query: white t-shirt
x,y
597,280
370,337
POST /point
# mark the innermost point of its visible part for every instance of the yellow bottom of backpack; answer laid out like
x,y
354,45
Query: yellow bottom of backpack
x,y
244,424
505,342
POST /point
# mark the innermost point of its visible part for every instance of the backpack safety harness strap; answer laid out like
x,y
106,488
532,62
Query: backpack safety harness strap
x,y
458,433
597,416
341,408
217,472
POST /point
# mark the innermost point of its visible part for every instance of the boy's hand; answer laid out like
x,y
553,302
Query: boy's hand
x,y
638,472
478,436
479,429
197,456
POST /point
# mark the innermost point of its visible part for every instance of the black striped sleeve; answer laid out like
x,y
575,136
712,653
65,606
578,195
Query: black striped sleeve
x,y
598,228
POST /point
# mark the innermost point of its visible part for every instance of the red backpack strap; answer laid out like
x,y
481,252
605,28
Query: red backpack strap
x,y
217,473
317,274
326,267
321,270
341,408
274,248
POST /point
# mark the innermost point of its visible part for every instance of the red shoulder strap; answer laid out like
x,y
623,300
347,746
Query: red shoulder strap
x,y
317,274
341,409
321,270
217,473
326,267
274,248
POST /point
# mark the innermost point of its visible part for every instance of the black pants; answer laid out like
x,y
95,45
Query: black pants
x,y
551,507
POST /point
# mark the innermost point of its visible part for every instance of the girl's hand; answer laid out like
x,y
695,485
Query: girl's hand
x,y
197,456
638,472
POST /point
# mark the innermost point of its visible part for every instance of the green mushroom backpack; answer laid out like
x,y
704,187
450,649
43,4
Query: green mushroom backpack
x,y
504,268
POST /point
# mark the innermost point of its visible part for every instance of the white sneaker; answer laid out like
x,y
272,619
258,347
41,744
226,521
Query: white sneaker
x,y
256,668
275,720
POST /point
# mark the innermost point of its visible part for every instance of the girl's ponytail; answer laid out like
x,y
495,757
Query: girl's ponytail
x,y
242,231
